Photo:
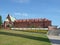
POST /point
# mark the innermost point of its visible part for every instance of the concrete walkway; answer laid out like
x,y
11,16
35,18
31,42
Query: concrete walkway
x,y
55,40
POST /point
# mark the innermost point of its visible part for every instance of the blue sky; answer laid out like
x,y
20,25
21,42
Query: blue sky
x,y
24,9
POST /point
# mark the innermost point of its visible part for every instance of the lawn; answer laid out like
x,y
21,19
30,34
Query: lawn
x,y
13,37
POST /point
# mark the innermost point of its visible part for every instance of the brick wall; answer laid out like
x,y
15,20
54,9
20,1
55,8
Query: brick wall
x,y
32,23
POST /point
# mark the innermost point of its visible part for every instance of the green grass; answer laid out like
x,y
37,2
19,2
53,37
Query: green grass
x,y
12,37
36,31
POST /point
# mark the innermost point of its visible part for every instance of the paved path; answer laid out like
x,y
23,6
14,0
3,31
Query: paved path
x,y
55,40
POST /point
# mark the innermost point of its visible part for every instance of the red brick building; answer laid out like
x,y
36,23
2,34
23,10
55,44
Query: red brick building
x,y
27,23
37,23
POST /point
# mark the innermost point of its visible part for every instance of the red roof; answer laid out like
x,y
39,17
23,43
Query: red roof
x,y
31,20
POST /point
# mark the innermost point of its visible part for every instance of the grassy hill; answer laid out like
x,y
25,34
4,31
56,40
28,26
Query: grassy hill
x,y
13,37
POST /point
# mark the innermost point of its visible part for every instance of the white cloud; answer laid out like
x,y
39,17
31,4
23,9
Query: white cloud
x,y
21,14
22,1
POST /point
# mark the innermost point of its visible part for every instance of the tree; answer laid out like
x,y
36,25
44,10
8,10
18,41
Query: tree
x,y
0,20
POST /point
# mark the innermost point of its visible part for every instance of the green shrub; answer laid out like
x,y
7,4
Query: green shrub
x,y
37,31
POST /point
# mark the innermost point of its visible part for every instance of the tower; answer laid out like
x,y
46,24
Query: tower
x,y
9,21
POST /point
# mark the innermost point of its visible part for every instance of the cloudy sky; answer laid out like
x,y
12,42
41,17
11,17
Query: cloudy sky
x,y
24,9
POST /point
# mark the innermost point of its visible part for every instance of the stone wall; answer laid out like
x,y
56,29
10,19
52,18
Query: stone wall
x,y
54,32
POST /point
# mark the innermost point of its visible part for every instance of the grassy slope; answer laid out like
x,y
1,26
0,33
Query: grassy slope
x,y
11,37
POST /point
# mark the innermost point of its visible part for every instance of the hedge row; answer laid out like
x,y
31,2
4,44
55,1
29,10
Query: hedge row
x,y
36,31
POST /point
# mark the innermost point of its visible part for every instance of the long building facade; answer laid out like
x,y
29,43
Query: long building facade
x,y
33,23
27,23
